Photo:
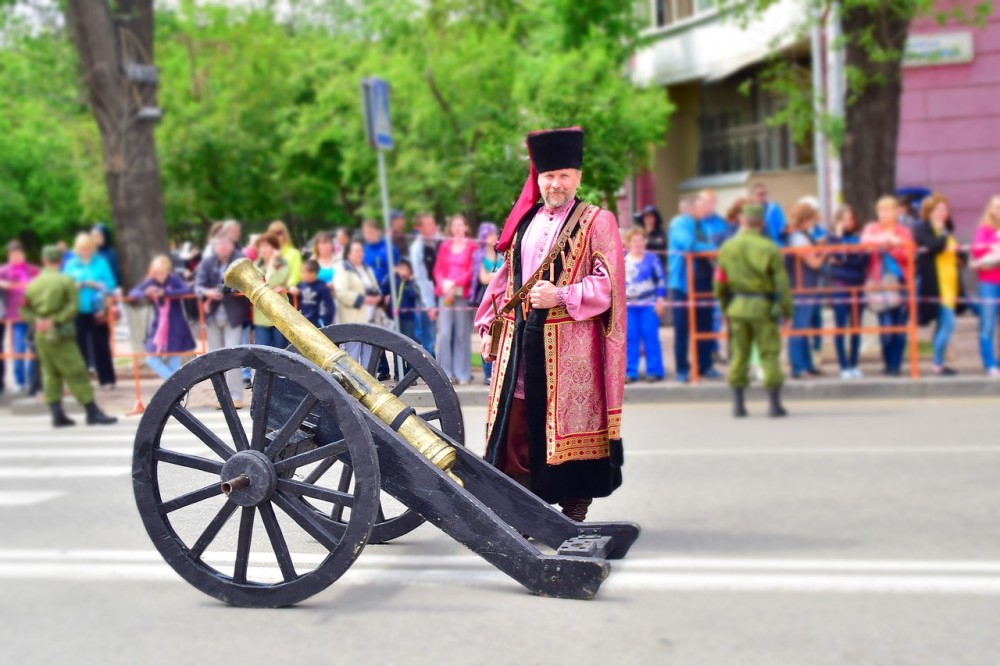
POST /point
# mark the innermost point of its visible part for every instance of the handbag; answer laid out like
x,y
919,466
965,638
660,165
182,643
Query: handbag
x,y
557,248
883,294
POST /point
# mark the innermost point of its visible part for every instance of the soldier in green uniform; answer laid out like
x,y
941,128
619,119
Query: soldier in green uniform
x,y
752,287
50,305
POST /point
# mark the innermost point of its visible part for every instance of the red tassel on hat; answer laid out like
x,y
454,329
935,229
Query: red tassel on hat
x,y
529,197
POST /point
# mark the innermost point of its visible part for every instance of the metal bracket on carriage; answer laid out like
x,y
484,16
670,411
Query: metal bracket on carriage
x,y
301,441
588,543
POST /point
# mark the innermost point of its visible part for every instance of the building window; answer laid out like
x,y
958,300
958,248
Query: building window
x,y
668,12
734,134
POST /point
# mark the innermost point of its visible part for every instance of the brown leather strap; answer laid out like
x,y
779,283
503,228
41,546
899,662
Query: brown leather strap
x,y
557,248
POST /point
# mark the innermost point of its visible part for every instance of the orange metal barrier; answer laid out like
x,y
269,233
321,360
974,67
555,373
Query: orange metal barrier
x,y
702,299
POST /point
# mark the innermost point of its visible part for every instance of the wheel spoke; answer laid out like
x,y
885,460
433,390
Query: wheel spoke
x,y
306,519
342,485
278,542
406,382
260,400
290,426
184,460
213,529
319,453
201,431
432,415
243,545
320,470
193,497
373,361
380,516
229,411
298,488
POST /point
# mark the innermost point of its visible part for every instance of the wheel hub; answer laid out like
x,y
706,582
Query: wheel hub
x,y
248,478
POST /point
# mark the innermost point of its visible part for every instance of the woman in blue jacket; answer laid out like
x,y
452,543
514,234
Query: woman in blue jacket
x,y
848,271
95,282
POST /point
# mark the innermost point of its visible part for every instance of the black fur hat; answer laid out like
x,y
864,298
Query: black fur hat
x,y
552,150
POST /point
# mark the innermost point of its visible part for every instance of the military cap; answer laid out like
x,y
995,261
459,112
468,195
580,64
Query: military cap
x,y
51,254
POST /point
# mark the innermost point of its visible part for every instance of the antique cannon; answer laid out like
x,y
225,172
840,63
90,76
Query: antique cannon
x,y
329,461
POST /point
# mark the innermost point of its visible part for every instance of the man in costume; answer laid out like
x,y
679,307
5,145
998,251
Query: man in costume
x,y
50,306
752,286
556,309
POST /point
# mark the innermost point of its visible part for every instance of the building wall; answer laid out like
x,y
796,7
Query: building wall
x,y
950,126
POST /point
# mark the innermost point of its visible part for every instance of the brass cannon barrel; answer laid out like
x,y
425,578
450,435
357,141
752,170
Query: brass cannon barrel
x,y
316,347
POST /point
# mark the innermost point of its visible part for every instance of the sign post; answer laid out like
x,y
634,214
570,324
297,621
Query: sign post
x,y
375,96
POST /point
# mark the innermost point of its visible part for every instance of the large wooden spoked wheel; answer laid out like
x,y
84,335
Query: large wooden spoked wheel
x,y
439,407
185,460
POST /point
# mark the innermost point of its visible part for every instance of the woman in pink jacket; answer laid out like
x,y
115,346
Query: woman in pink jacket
x,y
894,243
986,260
453,286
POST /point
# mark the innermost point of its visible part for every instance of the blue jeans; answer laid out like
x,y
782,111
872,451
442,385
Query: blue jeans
x,y
799,345
682,337
164,366
893,344
22,369
643,330
842,315
989,295
269,336
245,340
425,332
942,335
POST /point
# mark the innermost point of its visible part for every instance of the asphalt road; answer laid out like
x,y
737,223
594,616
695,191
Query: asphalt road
x,y
852,533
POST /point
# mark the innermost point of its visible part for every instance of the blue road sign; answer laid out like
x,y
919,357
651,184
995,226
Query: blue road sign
x,y
376,100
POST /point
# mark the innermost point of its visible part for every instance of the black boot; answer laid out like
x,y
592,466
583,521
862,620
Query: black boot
x,y
576,509
739,405
59,418
96,417
776,410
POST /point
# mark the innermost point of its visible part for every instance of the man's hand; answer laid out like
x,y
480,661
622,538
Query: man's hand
x,y
484,348
212,294
660,305
432,314
543,295
43,325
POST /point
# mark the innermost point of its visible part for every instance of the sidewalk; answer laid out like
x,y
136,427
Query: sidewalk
x,y
963,356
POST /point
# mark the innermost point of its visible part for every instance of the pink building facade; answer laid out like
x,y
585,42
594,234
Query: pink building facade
x,y
950,124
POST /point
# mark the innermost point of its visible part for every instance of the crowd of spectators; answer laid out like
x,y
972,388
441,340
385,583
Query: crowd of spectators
x,y
842,264
440,275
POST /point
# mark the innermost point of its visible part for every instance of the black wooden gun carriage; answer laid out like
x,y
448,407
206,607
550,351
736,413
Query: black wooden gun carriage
x,y
325,475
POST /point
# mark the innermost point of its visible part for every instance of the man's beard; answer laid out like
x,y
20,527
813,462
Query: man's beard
x,y
556,198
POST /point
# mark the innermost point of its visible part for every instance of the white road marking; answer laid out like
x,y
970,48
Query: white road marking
x,y
27,497
121,452
960,577
62,472
824,451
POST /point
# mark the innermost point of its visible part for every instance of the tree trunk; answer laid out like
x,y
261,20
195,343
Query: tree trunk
x,y
868,156
106,41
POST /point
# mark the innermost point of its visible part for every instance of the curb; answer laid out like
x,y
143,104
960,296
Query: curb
x,y
673,393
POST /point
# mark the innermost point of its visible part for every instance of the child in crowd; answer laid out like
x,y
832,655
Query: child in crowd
x,y
407,301
407,298
315,300
169,333
645,289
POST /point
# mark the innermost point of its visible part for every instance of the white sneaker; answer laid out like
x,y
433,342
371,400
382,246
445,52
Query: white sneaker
x,y
994,373
857,374
846,374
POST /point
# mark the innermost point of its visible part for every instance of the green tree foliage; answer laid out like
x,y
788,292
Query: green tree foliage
x,y
263,113
43,136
